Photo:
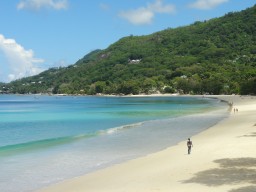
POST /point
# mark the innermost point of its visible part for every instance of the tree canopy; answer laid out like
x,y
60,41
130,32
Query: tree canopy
x,y
210,57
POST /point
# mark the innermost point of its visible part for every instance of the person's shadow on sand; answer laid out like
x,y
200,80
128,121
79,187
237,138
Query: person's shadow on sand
x,y
231,171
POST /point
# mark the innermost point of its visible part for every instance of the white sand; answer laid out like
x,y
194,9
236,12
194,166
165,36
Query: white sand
x,y
223,159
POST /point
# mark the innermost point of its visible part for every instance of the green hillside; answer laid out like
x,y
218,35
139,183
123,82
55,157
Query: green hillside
x,y
211,57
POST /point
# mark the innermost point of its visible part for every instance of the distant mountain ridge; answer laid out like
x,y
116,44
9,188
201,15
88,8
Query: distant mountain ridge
x,y
211,57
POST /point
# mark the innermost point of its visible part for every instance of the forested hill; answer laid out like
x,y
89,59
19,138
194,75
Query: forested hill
x,y
215,57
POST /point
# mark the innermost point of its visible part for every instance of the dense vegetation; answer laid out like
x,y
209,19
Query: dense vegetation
x,y
211,57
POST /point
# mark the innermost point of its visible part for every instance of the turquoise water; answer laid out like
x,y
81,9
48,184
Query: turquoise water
x,y
46,139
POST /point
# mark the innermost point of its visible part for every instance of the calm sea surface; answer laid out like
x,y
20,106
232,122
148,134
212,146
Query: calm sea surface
x,y
47,139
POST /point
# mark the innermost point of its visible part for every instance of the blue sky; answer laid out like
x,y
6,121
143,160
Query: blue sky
x,y
38,34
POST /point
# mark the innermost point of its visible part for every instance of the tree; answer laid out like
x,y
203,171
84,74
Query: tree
x,y
129,87
249,87
100,86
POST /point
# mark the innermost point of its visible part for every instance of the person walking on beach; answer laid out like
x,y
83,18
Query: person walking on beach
x,y
189,144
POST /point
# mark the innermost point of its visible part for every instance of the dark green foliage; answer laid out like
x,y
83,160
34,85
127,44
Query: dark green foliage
x,y
249,87
214,57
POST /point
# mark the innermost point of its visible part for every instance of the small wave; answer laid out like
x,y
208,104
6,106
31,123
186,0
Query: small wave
x,y
116,129
40,144
14,111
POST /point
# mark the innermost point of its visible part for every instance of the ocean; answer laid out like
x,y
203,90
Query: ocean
x,y
48,139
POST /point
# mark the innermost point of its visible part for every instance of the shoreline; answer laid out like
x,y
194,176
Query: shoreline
x,y
172,169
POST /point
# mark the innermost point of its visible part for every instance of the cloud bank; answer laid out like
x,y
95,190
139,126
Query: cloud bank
x,y
145,15
20,62
207,4
42,4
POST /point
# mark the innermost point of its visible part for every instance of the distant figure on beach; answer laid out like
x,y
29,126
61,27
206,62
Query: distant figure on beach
x,y
189,144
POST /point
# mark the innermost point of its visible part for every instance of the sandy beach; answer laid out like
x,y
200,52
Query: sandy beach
x,y
223,159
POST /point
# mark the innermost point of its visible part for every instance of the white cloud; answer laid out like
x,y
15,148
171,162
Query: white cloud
x,y
145,15
104,7
40,4
158,7
20,62
207,4
138,17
